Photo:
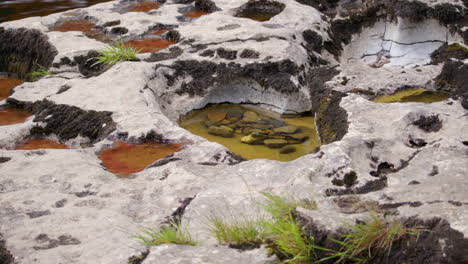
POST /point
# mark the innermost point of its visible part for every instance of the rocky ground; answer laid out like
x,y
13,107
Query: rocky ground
x,y
409,160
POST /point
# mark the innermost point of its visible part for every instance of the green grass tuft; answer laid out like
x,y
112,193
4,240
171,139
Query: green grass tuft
x,y
41,72
242,232
174,234
368,240
118,52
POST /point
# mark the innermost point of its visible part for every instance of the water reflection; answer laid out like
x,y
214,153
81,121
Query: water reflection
x,y
18,9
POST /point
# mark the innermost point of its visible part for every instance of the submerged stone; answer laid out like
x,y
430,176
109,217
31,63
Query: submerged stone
x,y
285,130
251,140
222,131
127,158
217,116
250,117
287,149
41,143
275,143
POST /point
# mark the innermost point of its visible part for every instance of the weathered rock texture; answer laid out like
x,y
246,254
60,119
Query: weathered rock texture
x,y
327,58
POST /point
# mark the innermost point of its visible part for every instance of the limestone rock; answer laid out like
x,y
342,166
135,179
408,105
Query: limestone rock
x,y
275,143
216,116
285,130
222,131
250,117
287,149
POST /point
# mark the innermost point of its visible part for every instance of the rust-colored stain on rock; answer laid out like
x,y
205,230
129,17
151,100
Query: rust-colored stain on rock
x,y
195,14
6,84
149,45
158,31
11,115
41,143
127,158
84,26
144,6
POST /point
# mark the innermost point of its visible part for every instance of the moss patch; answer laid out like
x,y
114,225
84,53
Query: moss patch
x,y
413,95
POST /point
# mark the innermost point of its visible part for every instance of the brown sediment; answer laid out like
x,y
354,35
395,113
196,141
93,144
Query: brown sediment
x,y
127,158
82,25
41,143
11,115
195,14
149,45
144,6
6,84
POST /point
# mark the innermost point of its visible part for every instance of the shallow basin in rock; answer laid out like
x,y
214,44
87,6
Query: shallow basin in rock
x,y
248,139
6,84
413,95
195,14
144,6
127,158
149,44
41,143
10,115
82,25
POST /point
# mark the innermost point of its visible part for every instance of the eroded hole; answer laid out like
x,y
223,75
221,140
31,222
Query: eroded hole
x,y
260,10
195,14
413,95
41,143
149,44
85,26
10,115
127,158
6,85
144,6
254,133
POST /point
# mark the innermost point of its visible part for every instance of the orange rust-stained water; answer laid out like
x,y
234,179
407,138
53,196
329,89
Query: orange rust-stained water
x,y
127,158
6,84
10,115
144,6
41,143
149,45
195,14
84,26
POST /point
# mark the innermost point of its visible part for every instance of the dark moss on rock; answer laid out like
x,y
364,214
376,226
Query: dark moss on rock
x,y
68,122
454,80
447,52
119,31
111,23
321,5
331,120
440,244
5,255
138,259
206,6
315,80
207,53
23,51
314,40
429,123
270,75
414,11
174,52
262,9
4,159
249,54
87,64
227,54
